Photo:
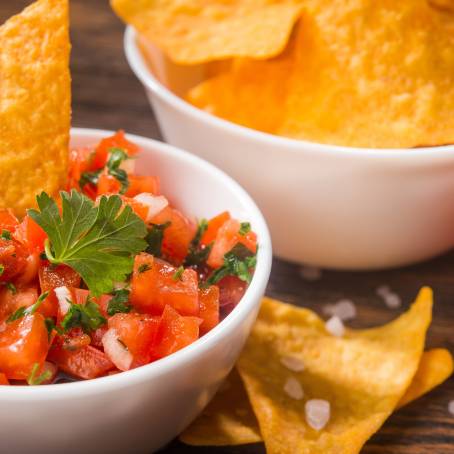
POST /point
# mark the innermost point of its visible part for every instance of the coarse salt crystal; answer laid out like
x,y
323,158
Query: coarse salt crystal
x,y
345,309
310,273
383,290
392,300
318,413
335,326
292,363
293,388
451,407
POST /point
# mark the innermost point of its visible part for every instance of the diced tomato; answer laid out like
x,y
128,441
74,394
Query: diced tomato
x,y
23,343
209,308
13,258
31,234
231,290
48,368
177,236
3,379
51,277
214,225
174,333
137,332
8,220
87,362
30,272
154,285
118,140
227,237
139,208
80,161
10,302
97,335
139,184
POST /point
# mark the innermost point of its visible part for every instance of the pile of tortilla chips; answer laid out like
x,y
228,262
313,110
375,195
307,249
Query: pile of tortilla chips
x,y
364,73
364,375
35,103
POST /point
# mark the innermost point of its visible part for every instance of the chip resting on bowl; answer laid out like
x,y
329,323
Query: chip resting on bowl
x,y
34,103
196,31
348,387
362,73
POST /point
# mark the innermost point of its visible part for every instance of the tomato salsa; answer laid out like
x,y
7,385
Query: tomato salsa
x,y
110,276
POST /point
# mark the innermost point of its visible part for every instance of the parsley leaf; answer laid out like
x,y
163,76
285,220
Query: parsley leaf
x,y
237,262
34,380
119,302
2,269
116,157
23,310
177,276
154,239
86,316
89,178
99,242
11,287
144,267
197,255
6,234
245,227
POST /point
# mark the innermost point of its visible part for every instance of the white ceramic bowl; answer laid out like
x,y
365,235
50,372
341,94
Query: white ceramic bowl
x,y
141,410
329,206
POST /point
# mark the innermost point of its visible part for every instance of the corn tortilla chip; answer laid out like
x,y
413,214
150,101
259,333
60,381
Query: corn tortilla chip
x,y
197,31
363,73
34,103
363,375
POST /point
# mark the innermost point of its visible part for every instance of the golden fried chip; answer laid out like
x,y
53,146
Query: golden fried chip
x,y
363,375
34,103
196,31
227,420
364,73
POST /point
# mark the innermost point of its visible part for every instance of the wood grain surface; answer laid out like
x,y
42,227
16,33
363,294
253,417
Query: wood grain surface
x,y
107,95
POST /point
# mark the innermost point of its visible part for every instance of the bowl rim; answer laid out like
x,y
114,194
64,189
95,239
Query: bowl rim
x,y
178,359
147,78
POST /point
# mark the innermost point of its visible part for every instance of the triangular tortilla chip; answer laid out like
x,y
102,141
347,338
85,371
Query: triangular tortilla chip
x,y
35,100
196,31
363,375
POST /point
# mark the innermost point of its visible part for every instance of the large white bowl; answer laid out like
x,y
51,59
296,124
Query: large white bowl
x,y
330,206
141,410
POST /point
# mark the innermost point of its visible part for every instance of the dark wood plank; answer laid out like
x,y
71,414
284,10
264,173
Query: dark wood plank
x,y
107,95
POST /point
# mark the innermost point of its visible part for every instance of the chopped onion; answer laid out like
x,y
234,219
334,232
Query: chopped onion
x,y
128,165
116,351
155,203
64,297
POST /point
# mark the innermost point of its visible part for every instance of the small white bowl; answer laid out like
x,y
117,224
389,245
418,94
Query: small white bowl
x,y
329,206
143,409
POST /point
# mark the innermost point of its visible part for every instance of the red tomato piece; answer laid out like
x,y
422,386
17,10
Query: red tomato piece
x,y
139,208
139,184
80,161
118,140
23,343
137,332
10,302
13,258
3,379
231,290
107,184
31,234
8,220
154,285
87,362
227,237
174,333
97,335
177,236
209,308
214,225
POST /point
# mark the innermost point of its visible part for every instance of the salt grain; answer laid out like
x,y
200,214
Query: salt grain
x,y
451,407
292,363
345,309
318,413
335,326
310,273
293,389
392,300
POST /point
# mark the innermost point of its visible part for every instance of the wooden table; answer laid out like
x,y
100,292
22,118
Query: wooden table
x,y
107,95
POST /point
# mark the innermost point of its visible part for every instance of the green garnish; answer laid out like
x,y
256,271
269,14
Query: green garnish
x,y
198,255
34,380
237,262
2,269
89,178
143,268
6,234
177,276
119,302
99,242
116,157
154,239
22,311
245,228
11,287
86,316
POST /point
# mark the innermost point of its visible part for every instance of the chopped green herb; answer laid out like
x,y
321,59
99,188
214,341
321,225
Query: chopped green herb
x,y
99,242
11,287
177,276
116,157
22,311
43,256
144,267
119,302
238,262
89,178
197,254
154,239
86,316
244,228
34,380
2,269
6,234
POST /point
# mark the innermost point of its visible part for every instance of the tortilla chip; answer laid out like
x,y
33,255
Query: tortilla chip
x,y
363,73
196,31
363,375
34,103
227,420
